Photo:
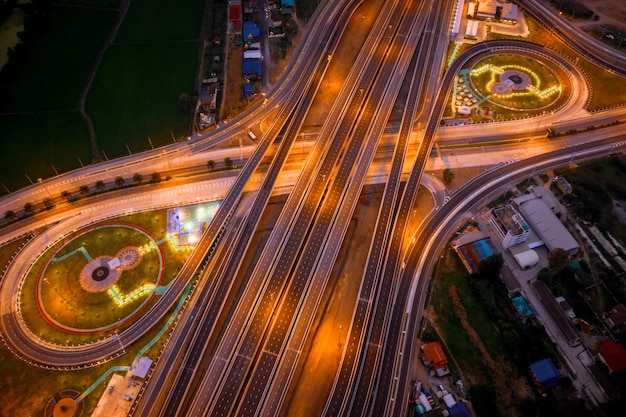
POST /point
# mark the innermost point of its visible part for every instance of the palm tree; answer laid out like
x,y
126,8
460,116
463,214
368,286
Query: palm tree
x,y
83,189
9,215
48,203
100,185
66,195
119,181
28,208
138,178
228,163
210,164
155,177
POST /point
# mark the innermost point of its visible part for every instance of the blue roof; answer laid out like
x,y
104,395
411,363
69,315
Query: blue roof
x,y
459,409
287,3
522,306
545,372
247,89
250,30
252,66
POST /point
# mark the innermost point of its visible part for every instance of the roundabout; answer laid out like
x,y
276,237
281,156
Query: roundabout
x,y
97,280
510,83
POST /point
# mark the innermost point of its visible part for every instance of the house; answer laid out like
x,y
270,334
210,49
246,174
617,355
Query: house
x,y
435,356
613,355
615,319
545,373
235,16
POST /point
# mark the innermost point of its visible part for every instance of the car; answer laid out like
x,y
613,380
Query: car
x,y
128,397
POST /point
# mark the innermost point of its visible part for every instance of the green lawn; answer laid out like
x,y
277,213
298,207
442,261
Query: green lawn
x,y
32,143
72,306
59,63
135,95
163,20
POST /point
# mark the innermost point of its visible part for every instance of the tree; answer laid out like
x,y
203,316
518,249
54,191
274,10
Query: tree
x,y
28,208
119,181
155,177
558,259
186,102
9,215
210,164
228,163
48,203
66,195
100,185
448,176
137,178
545,276
489,268
83,189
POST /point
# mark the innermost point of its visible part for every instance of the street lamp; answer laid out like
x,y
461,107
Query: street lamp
x,y
40,181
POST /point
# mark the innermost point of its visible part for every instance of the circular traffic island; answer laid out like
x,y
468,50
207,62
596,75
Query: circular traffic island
x,y
97,281
503,85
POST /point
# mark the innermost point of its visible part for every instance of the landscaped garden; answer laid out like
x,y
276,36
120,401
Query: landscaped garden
x,y
100,279
509,85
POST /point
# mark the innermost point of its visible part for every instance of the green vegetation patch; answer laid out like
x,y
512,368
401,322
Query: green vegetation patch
x,y
8,33
33,143
135,95
58,64
163,20
451,273
596,190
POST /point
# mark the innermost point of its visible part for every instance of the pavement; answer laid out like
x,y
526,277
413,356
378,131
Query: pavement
x,y
112,403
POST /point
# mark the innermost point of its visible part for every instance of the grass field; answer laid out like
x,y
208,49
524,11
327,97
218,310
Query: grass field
x,y
162,20
55,73
32,143
135,95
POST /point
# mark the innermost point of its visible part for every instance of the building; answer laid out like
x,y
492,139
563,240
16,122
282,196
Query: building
x,y
471,30
556,312
471,10
235,16
615,319
613,355
509,13
486,10
473,252
545,373
435,356
539,192
549,228
510,225
143,366
251,32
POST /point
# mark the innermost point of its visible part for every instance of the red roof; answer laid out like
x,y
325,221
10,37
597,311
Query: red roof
x,y
435,354
613,354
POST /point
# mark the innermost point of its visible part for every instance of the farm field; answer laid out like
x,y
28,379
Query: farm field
x,y
133,97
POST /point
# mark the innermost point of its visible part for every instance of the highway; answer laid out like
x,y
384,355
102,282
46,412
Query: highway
x,y
234,350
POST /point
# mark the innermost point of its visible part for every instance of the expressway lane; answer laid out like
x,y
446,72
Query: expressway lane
x,y
278,271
